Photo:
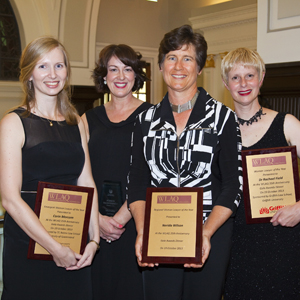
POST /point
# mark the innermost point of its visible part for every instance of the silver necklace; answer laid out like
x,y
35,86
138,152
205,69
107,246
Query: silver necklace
x,y
50,122
185,106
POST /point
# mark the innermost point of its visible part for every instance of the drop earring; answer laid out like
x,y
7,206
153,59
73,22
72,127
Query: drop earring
x,y
104,81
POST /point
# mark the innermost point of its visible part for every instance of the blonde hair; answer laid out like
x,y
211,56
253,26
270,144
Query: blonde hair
x,y
31,55
245,57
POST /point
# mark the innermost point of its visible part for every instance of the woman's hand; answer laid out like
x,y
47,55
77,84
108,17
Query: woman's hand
x,y
110,229
139,250
205,252
137,209
218,216
86,258
288,216
206,246
65,257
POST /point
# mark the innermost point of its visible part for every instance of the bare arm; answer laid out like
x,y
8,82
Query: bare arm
x,y
12,139
86,127
218,216
86,179
123,215
289,215
111,228
291,131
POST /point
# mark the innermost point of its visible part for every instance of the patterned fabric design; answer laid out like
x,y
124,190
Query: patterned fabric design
x,y
187,160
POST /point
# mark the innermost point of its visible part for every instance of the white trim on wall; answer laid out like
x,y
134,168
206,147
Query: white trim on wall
x,y
228,29
275,23
229,17
81,71
40,17
224,31
277,46
87,30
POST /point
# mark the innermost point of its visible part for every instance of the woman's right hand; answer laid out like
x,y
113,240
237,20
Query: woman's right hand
x,y
139,250
110,229
65,257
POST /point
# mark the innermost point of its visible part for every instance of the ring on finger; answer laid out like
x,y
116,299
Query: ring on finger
x,y
108,241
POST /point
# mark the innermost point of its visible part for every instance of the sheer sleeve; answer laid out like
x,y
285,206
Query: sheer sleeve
x,y
139,174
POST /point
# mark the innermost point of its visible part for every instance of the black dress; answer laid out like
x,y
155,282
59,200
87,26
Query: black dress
x,y
115,272
53,154
265,260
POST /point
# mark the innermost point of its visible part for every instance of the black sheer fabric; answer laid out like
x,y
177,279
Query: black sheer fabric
x,y
52,154
264,259
49,152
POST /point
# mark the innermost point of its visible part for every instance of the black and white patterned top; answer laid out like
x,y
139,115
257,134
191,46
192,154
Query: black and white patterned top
x,y
206,154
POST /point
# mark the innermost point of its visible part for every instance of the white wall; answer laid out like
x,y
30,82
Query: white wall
x,y
225,30
142,24
278,30
73,22
132,22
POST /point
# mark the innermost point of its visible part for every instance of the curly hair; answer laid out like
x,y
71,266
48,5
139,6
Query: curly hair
x,y
179,37
128,57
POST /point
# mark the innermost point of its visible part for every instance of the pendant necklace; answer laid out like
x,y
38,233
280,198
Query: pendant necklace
x,y
252,119
185,106
50,122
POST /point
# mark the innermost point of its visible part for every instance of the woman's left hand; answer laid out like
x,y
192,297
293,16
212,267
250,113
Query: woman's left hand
x,y
110,229
86,258
205,253
288,216
218,216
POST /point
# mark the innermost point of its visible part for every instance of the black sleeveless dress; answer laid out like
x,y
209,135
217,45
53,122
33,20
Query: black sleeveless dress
x,y
52,154
115,271
265,260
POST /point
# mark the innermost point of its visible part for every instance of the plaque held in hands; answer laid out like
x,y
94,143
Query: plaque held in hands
x,y
271,181
64,211
173,226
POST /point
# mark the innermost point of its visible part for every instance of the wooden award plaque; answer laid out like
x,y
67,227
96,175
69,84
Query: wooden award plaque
x,y
64,211
173,226
271,181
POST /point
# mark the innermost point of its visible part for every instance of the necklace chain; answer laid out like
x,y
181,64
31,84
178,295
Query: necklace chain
x,y
252,119
50,122
185,106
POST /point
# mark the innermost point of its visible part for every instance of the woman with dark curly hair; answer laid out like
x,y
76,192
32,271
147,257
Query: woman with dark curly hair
x,y
109,127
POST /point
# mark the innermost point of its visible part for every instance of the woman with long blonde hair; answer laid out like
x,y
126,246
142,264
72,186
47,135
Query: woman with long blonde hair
x,y
43,140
